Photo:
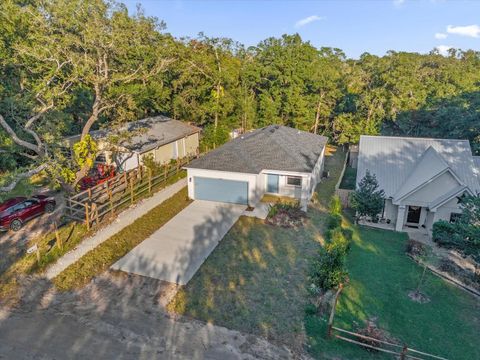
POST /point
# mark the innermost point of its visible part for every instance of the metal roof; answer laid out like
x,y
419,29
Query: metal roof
x,y
273,147
403,163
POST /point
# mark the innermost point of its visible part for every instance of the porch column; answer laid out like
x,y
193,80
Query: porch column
x,y
400,218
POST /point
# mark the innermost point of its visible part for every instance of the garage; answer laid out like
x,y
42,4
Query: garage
x,y
222,190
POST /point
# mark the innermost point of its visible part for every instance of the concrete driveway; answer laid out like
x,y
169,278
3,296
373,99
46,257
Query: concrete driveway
x,y
177,250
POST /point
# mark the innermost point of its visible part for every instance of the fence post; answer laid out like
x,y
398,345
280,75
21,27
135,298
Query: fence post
x,y
131,190
110,196
37,251
403,354
165,174
332,313
87,217
149,180
178,166
57,236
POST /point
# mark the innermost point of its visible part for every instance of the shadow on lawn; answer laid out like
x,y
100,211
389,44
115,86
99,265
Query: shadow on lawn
x,y
117,316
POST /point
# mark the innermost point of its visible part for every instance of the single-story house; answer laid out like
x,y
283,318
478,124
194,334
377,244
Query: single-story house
x,y
161,137
276,160
423,179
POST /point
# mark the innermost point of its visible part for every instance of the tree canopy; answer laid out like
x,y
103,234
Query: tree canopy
x,y
68,67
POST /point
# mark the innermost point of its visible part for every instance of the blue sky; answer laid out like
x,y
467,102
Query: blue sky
x,y
374,26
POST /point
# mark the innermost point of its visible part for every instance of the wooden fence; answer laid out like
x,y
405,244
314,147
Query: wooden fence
x,y
344,196
100,201
403,352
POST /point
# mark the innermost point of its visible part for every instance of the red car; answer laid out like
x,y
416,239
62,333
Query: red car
x,y
17,211
97,175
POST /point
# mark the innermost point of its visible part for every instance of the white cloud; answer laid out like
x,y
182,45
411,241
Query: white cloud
x,y
440,36
469,30
308,20
443,49
398,3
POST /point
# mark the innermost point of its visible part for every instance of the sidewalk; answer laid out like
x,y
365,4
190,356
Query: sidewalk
x,y
124,219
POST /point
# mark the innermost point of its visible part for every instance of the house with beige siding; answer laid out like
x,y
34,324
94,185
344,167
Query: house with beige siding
x,y
160,137
423,179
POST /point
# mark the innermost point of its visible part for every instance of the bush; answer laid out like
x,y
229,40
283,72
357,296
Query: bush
x,y
444,234
328,270
310,309
285,214
334,221
335,206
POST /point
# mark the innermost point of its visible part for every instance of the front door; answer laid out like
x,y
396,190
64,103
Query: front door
x,y
413,216
272,183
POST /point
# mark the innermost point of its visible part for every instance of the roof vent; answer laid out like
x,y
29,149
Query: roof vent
x,y
272,130
277,127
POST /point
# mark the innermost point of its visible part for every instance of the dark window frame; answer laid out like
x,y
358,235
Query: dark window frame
x,y
294,178
454,217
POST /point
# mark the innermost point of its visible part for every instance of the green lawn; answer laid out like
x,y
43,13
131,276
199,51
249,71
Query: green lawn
x,y
104,255
255,280
380,277
349,178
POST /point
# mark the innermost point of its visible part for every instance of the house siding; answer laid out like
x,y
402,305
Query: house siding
x,y
428,193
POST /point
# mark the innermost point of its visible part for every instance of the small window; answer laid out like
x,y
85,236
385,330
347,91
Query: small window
x,y
294,181
455,217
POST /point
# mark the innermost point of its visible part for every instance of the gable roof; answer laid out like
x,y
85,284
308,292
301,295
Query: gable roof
x,y
402,164
149,133
430,165
273,147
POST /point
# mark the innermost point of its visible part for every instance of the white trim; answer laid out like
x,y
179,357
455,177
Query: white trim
x,y
421,186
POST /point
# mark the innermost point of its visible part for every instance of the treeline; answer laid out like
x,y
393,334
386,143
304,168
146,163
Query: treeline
x,y
69,66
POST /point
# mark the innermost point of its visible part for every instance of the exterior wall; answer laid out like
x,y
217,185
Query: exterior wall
x,y
390,211
254,193
425,195
444,211
164,154
191,144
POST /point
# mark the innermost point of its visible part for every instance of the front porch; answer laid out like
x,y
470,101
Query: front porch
x,y
419,234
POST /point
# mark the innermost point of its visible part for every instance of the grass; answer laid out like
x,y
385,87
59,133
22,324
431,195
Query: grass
x,y
381,275
17,263
255,280
104,255
349,178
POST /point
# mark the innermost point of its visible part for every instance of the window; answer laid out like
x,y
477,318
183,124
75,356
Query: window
x,y
294,181
455,217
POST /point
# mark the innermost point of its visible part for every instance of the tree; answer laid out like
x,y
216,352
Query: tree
x,y
367,199
77,47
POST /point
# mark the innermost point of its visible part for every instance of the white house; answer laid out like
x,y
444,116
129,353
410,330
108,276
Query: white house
x,y
274,160
423,179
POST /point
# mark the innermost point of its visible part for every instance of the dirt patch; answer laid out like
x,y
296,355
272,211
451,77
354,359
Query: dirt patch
x,y
415,248
118,316
418,296
467,276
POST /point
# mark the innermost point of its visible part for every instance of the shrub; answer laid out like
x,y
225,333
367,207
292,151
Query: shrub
x,y
444,234
328,270
335,206
334,221
310,309
285,214
348,233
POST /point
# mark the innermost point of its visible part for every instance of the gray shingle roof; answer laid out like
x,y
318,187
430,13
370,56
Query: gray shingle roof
x,y
394,159
148,133
273,147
